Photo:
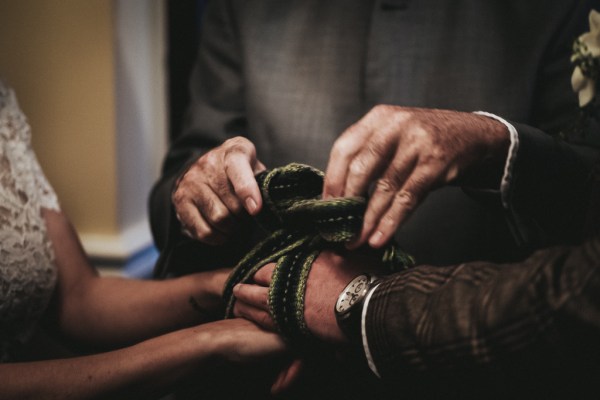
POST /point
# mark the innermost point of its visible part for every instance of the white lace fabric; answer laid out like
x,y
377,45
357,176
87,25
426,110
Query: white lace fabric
x,y
27,270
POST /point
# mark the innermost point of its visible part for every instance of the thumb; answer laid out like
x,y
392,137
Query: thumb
x,y
286,378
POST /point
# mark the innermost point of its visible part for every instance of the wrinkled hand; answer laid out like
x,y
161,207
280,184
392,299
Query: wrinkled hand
x,y
330,273
217,190
406,153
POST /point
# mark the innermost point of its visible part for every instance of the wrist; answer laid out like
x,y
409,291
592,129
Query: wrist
x,y
207,292
486,171
350,304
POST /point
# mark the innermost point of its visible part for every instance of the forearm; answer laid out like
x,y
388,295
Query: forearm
x,y
113,311
480,315
134,372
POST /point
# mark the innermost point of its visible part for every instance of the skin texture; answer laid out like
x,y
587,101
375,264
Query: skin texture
x,y
215,192
407,152
134,318
330,273
400,153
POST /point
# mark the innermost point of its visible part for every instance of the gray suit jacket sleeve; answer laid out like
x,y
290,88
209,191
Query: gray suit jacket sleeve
x,y
215,112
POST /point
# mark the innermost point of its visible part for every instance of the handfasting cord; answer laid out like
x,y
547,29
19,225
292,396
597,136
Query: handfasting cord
x,y
301,225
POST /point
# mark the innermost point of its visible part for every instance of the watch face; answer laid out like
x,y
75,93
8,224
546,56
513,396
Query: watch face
x,y
352,293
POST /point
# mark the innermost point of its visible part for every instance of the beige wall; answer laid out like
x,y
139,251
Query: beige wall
x,y
64,57
58,57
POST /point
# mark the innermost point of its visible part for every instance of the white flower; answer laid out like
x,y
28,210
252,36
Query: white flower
x,y
587,58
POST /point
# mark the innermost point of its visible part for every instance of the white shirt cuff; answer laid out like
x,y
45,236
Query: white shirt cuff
x,y
510,159
363,330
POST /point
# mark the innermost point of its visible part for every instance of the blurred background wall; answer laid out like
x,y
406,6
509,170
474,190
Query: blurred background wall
x,y
91,76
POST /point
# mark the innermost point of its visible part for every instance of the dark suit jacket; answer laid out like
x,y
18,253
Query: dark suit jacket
x,y
523,330
292,75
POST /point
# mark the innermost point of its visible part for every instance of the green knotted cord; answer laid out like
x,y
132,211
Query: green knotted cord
x,y
301,225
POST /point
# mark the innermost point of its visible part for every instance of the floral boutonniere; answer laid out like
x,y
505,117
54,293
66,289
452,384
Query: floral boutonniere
x,y
586,83
586,57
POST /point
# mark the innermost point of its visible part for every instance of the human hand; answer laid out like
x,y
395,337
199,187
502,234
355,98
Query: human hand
x,y
406,153
240,341
207,296
212,195
330,273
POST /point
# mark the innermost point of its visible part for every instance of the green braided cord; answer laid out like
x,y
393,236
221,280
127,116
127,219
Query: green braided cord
x,y
302,225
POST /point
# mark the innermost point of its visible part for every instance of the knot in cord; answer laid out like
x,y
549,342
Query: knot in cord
x,y
301,225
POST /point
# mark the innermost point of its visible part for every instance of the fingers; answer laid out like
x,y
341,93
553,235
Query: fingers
x,y
203,214
407,153
240,167
252,304
387,208
342,153
254,295
286,378
263,275
375,156
214,192
388,186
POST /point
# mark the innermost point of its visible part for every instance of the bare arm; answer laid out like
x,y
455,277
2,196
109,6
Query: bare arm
x,y
138,371
116,311
113,312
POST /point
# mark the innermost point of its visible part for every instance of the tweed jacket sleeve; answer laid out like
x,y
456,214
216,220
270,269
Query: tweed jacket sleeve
x,y
503,320
478,316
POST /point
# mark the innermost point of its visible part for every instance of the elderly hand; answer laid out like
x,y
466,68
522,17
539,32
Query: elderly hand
x,y
406,153
217,190
329,275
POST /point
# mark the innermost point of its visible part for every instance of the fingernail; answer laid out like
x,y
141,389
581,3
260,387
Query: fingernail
x,y
236,288
250,205
376,238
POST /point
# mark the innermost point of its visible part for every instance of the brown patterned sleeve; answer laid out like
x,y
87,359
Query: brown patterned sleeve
x,y
482,316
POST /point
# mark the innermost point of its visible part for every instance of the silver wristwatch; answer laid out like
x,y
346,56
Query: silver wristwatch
x,y
349,305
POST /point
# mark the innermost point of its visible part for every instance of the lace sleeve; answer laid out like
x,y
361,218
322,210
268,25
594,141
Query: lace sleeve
x,y
48,198
27,270
20,159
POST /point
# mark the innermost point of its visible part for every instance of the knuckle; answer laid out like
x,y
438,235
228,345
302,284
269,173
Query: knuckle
x,y
388,221
244,189
238,144
382,110
358,167
200,231
385,185
209,160
406,199
215,214
265,319
341,148
178,196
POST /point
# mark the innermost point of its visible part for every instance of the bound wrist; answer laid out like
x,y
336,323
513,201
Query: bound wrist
x,y
349,306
